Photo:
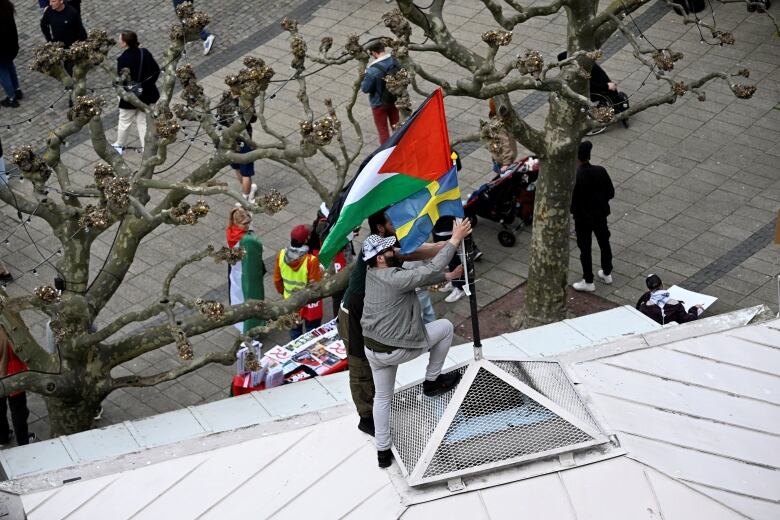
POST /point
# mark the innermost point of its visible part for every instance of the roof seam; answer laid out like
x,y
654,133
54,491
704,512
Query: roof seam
x,y
754,341
317,479
722,362
653,492
688,414
691,383
688,485
253,475
569,500
730,491
171,486
699,450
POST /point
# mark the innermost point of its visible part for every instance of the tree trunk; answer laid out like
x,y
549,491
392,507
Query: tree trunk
x,y
71,415
545,295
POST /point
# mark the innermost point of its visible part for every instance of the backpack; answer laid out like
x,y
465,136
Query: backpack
x,y
387,97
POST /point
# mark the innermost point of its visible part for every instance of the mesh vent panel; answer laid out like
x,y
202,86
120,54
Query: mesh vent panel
x,y
550,380
497,422
413,418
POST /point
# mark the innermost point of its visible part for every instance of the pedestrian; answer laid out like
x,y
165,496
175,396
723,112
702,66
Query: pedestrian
x,y
393,329
295,267
361,382
245,277
9,48
442,231
381,100
659,306
590,207
141,80
504,151
205,36
61,22
10,364
246,171
342,258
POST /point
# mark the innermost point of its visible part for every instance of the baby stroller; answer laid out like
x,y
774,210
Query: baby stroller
x,y
506,199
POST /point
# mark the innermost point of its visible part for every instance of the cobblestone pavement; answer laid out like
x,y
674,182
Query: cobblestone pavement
x,y
697,184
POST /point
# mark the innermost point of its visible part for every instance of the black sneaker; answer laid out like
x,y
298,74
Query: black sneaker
x,y
31,437
19,94
366,425
6,277
477,253
385,458
443,384
10,103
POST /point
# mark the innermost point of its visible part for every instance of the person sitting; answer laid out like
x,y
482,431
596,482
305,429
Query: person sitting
x,y
393,328
602,87
657,305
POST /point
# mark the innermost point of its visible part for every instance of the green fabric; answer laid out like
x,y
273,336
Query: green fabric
x,y
360,205
361,385
357,280
252,271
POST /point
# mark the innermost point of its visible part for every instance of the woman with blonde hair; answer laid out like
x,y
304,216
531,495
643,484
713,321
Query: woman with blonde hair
x,y
245,278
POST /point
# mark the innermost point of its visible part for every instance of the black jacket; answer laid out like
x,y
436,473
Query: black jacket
x,y
592,192
9,38
63,26
147,75
672,311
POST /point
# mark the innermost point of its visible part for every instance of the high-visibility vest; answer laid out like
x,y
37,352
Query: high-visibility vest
x,y
293,280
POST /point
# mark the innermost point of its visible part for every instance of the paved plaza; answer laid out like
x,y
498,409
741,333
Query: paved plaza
x,y
697,184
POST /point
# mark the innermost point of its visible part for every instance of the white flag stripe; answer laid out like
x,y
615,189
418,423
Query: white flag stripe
x,y
368,178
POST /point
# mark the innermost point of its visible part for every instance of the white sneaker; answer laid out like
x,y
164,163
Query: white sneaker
x,y
582,285
606,278
207,43
120,150
252,192
455,295
447,287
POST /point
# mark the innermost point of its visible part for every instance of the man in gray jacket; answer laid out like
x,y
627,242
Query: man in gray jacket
x,y
393,328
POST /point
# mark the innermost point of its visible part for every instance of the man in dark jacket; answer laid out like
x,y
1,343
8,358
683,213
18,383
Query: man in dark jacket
x,y
373,84
657,305
9,48
61,22
144,72
590,206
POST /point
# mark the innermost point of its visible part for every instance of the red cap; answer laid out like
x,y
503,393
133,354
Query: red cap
x,y
300,233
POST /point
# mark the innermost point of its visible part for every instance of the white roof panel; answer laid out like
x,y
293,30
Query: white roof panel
x,y
694,370
702,442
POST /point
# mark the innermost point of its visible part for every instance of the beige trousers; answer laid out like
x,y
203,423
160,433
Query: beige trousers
x,y
126,118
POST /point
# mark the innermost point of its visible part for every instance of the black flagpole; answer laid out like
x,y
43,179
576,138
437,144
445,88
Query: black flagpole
x,y
473,298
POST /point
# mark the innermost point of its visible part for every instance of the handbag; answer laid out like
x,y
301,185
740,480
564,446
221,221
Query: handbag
x,y
138,88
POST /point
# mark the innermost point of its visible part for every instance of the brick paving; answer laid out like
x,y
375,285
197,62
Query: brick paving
x,y
697,183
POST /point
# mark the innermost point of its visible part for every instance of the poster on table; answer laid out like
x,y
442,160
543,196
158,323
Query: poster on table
x,y
316,353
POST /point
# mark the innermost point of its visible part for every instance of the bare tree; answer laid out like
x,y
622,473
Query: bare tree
x,y
76,376
570,112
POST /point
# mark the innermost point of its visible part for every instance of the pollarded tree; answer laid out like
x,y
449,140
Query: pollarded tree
x,y
75,376
570,112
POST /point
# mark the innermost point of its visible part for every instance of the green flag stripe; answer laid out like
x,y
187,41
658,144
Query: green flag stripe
x,y
395,188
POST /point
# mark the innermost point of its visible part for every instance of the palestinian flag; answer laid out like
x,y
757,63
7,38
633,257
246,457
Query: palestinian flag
x,y
414,156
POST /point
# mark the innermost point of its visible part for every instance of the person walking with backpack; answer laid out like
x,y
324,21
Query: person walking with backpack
x,y
9,48
144,72
382,101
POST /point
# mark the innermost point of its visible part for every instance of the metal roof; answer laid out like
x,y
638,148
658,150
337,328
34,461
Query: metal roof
x,y
694,407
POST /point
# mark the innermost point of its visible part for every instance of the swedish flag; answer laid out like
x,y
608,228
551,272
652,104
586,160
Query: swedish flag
x,y
414,217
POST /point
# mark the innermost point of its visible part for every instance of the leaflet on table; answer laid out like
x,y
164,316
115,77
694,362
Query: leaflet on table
x,y
319,350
